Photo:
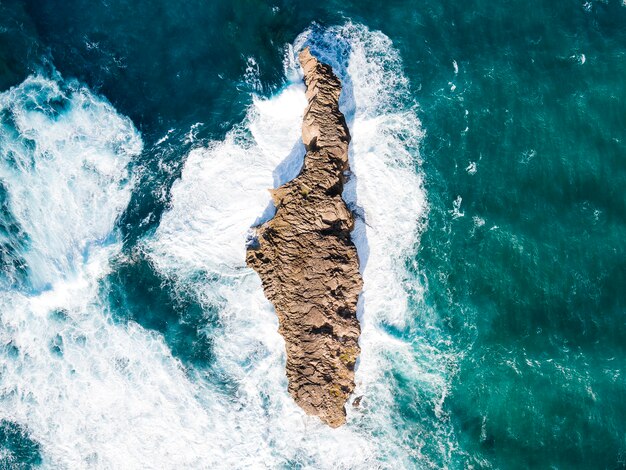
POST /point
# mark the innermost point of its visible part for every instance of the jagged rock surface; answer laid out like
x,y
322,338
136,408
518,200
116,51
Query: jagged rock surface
x,y
307,261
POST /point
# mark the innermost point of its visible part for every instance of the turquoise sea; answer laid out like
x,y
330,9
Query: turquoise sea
x,y
137,141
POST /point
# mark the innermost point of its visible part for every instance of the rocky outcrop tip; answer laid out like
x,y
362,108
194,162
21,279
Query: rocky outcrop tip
x,y
307,262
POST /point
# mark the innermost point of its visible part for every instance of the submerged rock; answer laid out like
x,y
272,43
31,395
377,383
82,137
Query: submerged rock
x,y
307,261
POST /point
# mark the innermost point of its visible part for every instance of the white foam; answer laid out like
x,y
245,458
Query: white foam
x,y
456,208
252,74
471,168
224,189
63,160
114,399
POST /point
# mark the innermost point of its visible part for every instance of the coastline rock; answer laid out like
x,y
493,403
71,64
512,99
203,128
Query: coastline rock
x,y
307,262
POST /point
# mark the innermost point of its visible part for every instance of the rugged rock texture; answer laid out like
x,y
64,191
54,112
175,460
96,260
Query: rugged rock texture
x,y
307,261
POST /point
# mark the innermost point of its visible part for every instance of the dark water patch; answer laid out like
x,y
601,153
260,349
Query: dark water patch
x,y
18,451
524,412
56,345
156,169
20,51
138,293
13,242
153,59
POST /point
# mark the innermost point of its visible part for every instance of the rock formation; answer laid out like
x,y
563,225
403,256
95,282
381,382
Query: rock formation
x,y
307,261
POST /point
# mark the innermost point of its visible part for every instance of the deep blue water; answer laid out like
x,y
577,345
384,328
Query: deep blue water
x,y
509,348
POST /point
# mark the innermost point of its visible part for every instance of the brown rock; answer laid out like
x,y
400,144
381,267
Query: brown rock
x,y
307,261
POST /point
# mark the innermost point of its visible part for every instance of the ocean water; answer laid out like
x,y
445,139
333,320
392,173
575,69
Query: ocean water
x,y
137,143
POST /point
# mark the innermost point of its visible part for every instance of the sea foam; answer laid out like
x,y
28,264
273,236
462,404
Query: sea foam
x,y
63,163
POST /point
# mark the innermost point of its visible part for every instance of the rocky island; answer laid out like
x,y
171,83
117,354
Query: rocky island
x,y
306,259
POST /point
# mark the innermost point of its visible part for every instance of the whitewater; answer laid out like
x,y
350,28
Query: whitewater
x,y
96,392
